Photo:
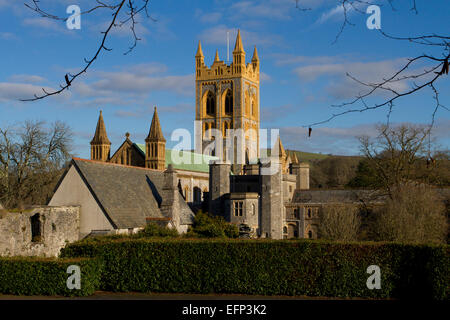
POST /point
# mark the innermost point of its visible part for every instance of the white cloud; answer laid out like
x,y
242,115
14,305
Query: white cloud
x,y
148,111
269,9
7,36
282,59
343,140
10,91
207,17
264,77
47,24
26,78
133,82
337,11
339,85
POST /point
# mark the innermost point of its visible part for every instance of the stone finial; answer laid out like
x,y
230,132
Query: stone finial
x,y
255,57
238,47
216,58
199,50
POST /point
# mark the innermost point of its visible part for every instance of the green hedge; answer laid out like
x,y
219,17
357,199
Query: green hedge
x,y
267,267
47,276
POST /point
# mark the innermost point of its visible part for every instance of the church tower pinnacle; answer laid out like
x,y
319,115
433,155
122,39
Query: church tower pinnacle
x,y
155,145
200,59
100,144
238,54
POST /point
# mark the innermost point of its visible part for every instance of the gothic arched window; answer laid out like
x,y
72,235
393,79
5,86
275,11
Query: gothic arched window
x,y
210,104
229,102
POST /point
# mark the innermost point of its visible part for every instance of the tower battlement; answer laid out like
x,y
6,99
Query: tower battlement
x,y
219,69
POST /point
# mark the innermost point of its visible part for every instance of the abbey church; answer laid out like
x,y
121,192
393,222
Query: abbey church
x,y
226,174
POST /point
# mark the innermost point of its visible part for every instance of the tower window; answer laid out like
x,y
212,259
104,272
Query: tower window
x,y
210,104
238,208
310,234
229,102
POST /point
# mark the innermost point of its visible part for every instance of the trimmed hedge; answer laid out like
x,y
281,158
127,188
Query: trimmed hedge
x,y
267,267
47,276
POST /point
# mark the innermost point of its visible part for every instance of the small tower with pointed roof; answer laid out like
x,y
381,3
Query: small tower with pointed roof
x,y
100,144
155,146
238,55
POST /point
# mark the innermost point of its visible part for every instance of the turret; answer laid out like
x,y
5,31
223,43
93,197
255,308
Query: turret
x,y
100,144
155,146
216,58
255,59
238,55
199,58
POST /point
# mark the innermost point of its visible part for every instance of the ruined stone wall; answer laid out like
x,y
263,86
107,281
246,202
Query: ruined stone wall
x,y
38,231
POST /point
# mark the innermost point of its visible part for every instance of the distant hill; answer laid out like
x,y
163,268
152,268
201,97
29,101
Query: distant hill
x,y
310,156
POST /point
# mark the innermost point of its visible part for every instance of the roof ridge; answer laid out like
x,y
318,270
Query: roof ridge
x,y
115,164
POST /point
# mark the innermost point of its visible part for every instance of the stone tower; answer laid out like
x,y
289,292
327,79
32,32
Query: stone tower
x,y
227,97
155,146
271,218
100,144
219,187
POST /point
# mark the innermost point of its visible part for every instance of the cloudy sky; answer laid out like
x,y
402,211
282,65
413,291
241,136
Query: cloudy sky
x,y
303,67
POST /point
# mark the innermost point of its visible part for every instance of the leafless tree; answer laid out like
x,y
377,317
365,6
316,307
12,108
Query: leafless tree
x,y
398,154
415,214
339,222
31,159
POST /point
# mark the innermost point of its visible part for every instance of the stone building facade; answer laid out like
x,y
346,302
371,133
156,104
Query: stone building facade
x,y
227,100
38,230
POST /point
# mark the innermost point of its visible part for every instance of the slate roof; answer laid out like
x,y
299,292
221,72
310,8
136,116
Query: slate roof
x,y
128,195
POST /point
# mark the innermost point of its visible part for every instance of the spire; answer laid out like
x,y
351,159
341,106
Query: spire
x,y
294,157
279,146
155,128
216,59
255,55
238,47
100,136
199,50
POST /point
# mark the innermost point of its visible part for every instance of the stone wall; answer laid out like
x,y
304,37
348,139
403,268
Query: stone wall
x,y
38,230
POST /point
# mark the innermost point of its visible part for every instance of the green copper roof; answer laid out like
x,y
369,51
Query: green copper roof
x,y
194,161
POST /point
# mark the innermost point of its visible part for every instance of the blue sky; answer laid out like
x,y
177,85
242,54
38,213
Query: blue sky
x,y
304,71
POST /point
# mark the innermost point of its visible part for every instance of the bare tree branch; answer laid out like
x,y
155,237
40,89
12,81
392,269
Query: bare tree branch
x,y
132,12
